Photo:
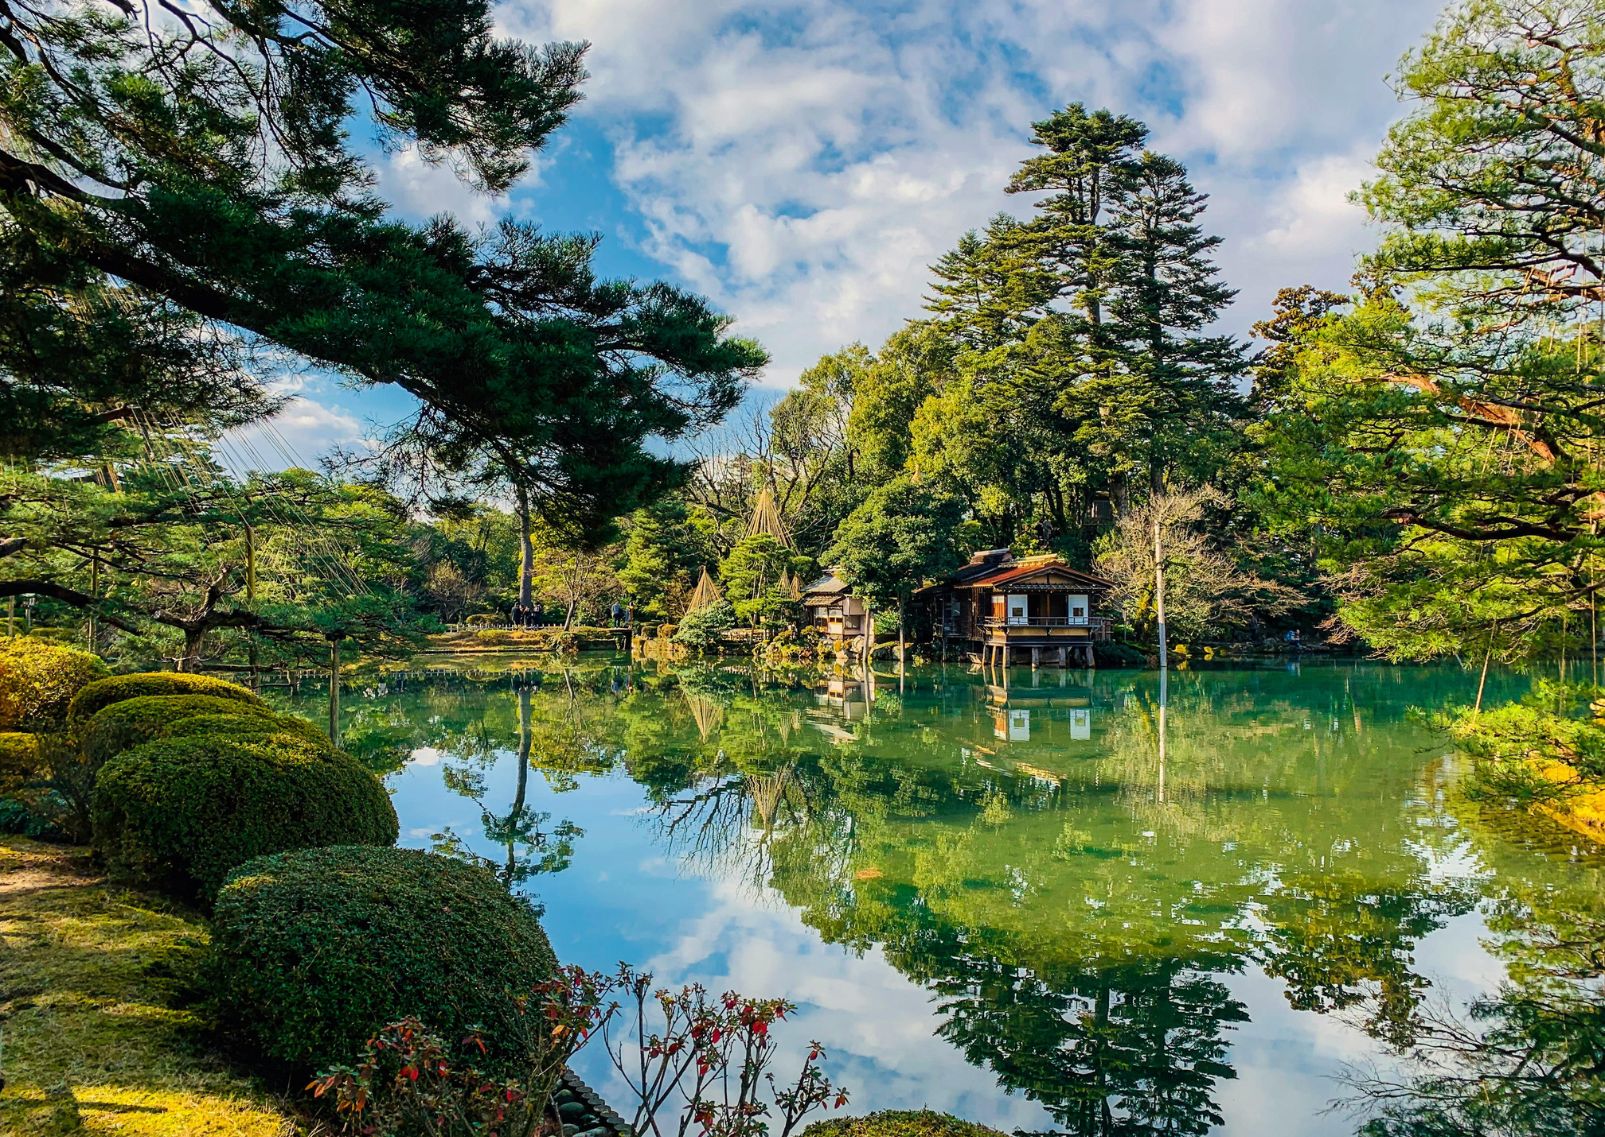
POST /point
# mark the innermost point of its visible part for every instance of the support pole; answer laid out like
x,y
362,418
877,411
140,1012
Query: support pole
x,y
250,604
334,691
94,590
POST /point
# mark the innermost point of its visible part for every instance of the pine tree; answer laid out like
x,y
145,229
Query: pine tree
x,y
1178,389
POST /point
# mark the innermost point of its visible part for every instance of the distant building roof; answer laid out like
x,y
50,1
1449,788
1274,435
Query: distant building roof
x,y
828,585
992,567
1031,566
983,563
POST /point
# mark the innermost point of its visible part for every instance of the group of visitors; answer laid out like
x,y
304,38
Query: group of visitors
x,y
527,615
523,615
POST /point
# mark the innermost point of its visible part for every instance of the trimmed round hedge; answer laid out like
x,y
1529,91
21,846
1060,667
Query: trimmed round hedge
x,y
39,680
239,725
315,950
104,693
19,758
129,722
179,813
900,1123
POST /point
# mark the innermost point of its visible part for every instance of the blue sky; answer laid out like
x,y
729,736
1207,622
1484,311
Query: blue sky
x,y
801,163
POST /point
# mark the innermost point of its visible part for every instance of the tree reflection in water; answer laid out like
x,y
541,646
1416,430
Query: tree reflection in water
x,y
1077,872
1530,1057
530,848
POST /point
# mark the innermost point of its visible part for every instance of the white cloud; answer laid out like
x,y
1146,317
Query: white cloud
x,y
420,188
302,432
804,163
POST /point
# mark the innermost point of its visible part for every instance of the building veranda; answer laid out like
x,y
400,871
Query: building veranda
x,y
1003,609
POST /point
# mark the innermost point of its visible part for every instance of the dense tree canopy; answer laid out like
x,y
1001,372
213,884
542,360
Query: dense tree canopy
x,y
1442,432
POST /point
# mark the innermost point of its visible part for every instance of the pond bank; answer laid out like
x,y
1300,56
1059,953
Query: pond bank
x,y
98,1034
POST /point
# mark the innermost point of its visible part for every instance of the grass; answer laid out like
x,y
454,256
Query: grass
x,y
97,1038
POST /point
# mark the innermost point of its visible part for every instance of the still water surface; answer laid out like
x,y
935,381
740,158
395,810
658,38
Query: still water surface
x,y
1010,902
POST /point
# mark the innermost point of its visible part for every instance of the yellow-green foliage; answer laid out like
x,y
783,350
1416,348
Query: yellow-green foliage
x,y
97,1040
19,758
114,690
179,813
534,639
238,725
115,728
38,680
899,1123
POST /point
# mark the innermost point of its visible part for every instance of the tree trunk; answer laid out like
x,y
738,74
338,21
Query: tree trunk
x,y
1482,679
900,637
526,551
250,603
334,691
1159,594
191,659
1164,701
516,816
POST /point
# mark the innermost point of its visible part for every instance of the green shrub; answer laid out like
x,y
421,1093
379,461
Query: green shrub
x,y
25,818
97,696
313,951
38,680
899,1123
236,724
179,813
63,793
19,758
529,639
703,628
129,722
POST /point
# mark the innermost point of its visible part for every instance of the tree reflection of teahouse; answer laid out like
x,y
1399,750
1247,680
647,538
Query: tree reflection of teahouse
x,y
1005,610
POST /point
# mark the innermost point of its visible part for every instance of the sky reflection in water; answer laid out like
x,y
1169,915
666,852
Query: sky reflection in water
x,y
1003,901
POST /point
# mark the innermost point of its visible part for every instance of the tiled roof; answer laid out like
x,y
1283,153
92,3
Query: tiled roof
x,y
829,584
1008,574
999,566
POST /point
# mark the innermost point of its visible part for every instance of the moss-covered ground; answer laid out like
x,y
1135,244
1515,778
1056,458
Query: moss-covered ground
x,y
98,1037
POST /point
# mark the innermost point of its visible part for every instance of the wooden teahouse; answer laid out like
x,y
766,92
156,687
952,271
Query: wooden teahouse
x,y
833,611
1004,609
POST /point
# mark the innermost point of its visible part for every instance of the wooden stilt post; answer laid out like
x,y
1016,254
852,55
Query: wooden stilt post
x,y
1036,657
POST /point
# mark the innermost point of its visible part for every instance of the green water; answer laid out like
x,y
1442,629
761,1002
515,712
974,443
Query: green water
x,y
1053,905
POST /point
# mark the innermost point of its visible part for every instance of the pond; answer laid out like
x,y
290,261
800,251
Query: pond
x,y
1036,902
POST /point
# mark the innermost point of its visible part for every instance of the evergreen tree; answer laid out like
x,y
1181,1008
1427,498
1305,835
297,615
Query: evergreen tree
x,y
1081,331
663,553
199,162
1442,435
1178,384
900,537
